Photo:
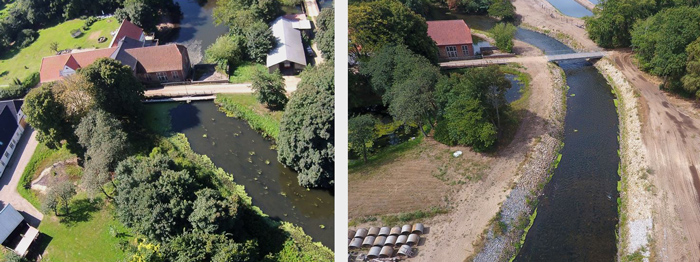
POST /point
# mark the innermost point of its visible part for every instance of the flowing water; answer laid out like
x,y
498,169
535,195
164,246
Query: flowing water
x,y
233,146
577,215
571,8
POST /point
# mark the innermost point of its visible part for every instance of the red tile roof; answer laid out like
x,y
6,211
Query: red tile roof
x,y
127,29
450,32
159,58
51,66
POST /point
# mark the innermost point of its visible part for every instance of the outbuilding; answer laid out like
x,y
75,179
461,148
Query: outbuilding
x,y
453,39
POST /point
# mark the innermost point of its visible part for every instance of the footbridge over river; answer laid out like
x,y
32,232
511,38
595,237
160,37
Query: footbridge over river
x,y
508,60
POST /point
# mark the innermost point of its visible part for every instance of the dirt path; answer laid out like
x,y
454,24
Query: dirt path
x,y
10,179
672,139
543,16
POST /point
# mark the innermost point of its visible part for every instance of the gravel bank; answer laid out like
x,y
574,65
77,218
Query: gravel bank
x,y
534,170
636,190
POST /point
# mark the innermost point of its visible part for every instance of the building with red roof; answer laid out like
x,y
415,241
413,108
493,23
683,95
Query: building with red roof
x,y
150,63
453,38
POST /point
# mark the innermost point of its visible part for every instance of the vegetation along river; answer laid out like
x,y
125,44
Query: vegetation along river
x,y
577,214
235,147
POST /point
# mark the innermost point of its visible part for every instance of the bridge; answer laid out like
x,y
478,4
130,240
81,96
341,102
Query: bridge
x,y
574,56
508,60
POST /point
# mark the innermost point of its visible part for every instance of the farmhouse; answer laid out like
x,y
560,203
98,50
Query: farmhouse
x,y
289,53
12,124
453,38
150,62
15,233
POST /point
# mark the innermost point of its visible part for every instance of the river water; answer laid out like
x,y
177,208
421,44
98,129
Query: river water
x,y
571,8
233,146
577,214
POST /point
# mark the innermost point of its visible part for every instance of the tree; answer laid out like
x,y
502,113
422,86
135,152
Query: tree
x,y
325,33
117,91
502,9
139,13
613,20
691,81
74,92
47,115
258,41
660,41
269,88
361,134
153,198
53,47
467,124
375,24
503,33
211,212
59,195
106,144
241,14
226,50
406,82
197,246
306,138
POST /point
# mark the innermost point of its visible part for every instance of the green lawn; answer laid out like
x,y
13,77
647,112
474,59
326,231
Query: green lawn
x,y
85,235
244,72
246,107
21,63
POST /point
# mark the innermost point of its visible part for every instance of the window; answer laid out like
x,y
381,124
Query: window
x,y
148,77
12,145
7,154
451,51
176,76
162,76
465,50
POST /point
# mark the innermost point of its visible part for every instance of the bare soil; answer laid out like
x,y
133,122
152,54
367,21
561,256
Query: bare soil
x,y
671,137
544,17
428,176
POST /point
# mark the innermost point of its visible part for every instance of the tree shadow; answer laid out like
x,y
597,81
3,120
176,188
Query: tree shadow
x,y
267,232
81,211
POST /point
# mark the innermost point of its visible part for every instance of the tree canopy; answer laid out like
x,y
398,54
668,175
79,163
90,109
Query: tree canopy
x,y
269,88
361,134
325,33
406,81
691,81
226,50
502,9
503,33
660,41
375,24
241,14
306,139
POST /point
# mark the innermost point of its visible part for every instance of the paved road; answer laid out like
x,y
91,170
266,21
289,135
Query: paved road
x,y
204,89
13,172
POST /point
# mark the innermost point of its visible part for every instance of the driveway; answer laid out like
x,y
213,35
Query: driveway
x,y
13,172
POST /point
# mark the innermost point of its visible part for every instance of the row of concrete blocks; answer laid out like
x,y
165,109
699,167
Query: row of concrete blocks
x,y
388,251
417,228
384,241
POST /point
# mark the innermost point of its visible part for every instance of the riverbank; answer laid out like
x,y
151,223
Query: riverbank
x,y
636,190
541,16
513,218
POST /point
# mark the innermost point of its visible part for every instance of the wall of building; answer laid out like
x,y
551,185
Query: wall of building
x,y
169,74
5,158
460,55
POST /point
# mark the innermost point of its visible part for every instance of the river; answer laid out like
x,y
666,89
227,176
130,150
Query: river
x,y
233,146
577,214
571,8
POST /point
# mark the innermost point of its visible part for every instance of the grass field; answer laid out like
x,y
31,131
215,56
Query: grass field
x,y
21,63
42,158
246,107
244,72
85,235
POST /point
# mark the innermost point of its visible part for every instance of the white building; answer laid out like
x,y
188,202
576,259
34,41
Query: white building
x,y
12,125
288,55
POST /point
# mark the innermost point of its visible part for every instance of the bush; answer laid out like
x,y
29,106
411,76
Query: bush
x,y
503,34
20,89
26,37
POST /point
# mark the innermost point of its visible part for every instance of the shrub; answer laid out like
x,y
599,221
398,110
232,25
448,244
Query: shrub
x,y
26,37
19,88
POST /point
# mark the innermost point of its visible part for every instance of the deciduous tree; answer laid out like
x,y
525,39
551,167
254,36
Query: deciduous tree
x,y
211,212
269,88
503,33
691,80
361,134
258,41
306,139
325,33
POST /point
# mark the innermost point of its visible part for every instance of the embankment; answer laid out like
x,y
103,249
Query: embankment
x,y
636,191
